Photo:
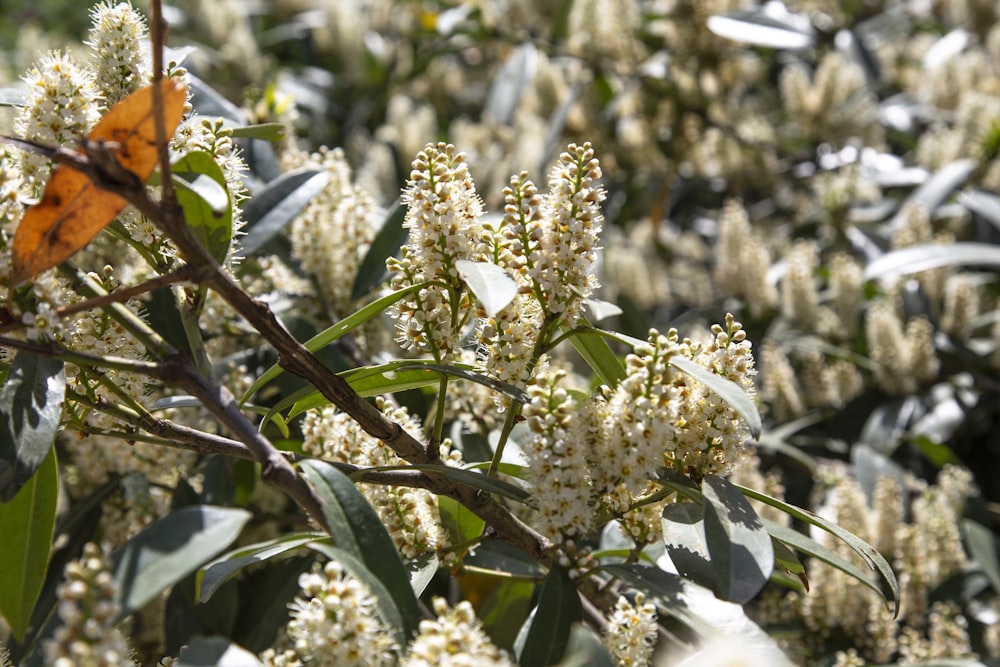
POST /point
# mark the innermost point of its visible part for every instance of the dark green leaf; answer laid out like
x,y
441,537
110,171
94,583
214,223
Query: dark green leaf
x,y
585,649
27,522
477,480
30,407
359,531
867,552
164,316
170,549
387,242
264,596
504,610
684,539
225,567
919,258
214,652
274,207
209,102
207,209
492,285
543,639
739,546
500,557
263,131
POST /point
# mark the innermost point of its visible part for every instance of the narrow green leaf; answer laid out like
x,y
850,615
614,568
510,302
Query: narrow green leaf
x,y
209,212
544,637
263,131
504,610
502,558
387,242
421,570
170,549
223,568
27,522
740,548
684,539
871,556
264,612
30,408
277,204
366,536
510,82
477,481
585,649
385,598
462,524
764,28
329,335
491,284
599,356
915,259
729,391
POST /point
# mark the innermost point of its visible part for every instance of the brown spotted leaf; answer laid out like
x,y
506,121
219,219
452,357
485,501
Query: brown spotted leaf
x,y
73,210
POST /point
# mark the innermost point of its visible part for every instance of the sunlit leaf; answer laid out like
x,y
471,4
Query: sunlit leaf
x,y
915,259
766,26
214,652
73,210
205,200
684,538
492,285
27,522
31,404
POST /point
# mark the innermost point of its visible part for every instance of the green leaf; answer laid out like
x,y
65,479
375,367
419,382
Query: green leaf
x,y
386,243
27,522
594,349
462,524
263,131
421,570
867,552
356,528
329,335
764,28
504,610
739,546
476,480
684,539
214,652
385,598
206,202
170,549
491,284
985,549
31,404
915,259
585,649
729,391
265,595
223,568
543,638
275,206
502,558
810,547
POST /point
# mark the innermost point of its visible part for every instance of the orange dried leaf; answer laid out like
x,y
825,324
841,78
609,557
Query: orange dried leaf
x,y
73,210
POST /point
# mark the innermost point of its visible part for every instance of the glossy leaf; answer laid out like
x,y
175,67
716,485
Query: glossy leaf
x,y
329,335
497,556
263,131
729,391
985,549
477,480
740,548
356,528
492,285
214,652
27,523
387,242
170,549
936,189
206,203
585,649
277,204
543,639
73,210
462,524
871,556
599,356
216,573
684,538
510,82
421,570
31,403
914,259
766,27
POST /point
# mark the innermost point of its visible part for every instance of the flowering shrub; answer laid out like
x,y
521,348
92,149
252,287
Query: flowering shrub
x,y
331,390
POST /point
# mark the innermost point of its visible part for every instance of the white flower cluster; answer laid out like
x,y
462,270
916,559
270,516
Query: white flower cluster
x,y
334,622
562,431
121,57
410,515
443,218
454,639
333,232
632,631
87,610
